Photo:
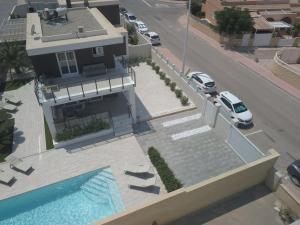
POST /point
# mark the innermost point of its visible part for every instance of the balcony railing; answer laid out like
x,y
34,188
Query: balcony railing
x,y
77,88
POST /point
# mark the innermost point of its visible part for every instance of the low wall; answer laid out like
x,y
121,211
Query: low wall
x,y
142,50
287,197
286,71
177,204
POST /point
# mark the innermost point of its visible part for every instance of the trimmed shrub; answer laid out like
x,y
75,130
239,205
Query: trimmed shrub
x,y
178,93
157,68
166,174
92,127
153,65
173,86
184,100
162,76
167,81
148,61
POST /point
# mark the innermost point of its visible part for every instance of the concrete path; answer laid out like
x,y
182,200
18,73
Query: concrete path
x,y
29,134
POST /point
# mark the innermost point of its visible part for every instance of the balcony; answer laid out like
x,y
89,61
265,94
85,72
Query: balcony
x,y
62,90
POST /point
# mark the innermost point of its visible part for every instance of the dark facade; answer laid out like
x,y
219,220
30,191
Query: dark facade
x,y
47,64
111,12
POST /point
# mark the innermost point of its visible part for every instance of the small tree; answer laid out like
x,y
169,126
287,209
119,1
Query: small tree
x,y
296,29
195,7
233,21
13,56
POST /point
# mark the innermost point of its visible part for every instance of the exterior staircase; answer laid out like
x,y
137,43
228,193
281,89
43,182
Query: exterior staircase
x,y
102,189
122,125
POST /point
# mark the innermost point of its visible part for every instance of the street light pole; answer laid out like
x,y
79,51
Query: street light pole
x,y
186,38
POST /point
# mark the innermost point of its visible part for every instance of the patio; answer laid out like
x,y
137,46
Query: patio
x,y
56,165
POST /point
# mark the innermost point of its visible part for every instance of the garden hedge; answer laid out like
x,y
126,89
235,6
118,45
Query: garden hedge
x,y
167,176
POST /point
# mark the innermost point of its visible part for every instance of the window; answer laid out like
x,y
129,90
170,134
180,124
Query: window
x,y
199,80
226,103
98,51
67,62
239,107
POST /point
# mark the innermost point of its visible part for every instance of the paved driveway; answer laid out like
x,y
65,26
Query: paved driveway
x,y
193,152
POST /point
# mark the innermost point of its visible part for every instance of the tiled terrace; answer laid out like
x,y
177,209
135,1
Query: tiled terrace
x,y
56,165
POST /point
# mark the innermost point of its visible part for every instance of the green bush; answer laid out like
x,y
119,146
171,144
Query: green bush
x,y
148,61
184,100
153,65
173,86
167,176
167,81
178,93
48,136
157,68
6,134
162,76
92,127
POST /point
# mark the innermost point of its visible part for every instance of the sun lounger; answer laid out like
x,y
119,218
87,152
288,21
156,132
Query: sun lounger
x,y
7,107
137,168
142,183
5,177
18,164
12,99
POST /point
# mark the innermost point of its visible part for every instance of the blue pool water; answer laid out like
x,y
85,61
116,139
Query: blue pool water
x,y
80,200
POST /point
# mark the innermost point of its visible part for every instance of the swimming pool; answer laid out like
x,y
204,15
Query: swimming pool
x,y
79,200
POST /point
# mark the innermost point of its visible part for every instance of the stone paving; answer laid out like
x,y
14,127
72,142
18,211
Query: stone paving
x,y
56,165
29,134
194,158
153,97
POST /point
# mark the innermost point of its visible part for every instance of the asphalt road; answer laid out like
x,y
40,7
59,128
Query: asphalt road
x,y
276,114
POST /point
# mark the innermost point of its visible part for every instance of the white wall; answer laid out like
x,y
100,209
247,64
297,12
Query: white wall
x,y
262,39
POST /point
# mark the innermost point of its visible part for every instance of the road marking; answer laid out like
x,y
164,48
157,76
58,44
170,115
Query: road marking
x,y
181,120
189,133
147,3
254,132
162,5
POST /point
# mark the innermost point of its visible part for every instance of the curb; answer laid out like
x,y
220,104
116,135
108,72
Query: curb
x,y
180,2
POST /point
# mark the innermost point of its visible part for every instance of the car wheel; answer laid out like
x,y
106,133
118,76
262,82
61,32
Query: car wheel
x,y
295,181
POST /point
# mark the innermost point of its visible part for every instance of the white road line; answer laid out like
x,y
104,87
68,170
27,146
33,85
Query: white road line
x,y
181,120
189,133
147,3
255,132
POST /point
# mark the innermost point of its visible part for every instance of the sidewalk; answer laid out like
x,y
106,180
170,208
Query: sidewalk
x,y
260,70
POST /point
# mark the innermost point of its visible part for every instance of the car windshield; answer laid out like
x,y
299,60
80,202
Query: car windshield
x,y
210,84
142,26
239,107
132,17
155,37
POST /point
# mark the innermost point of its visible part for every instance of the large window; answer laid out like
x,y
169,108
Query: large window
x,y
67,63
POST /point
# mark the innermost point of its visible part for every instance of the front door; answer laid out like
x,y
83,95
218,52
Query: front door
x,y
67,63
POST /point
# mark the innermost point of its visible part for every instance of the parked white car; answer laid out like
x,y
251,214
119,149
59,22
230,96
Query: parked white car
x,y
140,26
130,17
153,38
203,82
235,107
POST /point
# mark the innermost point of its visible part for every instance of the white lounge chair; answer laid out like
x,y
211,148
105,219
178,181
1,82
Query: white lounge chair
x,y
5,177
18,164
12,99
8,107
142,183
142,168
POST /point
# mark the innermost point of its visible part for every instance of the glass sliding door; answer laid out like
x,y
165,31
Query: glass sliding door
x,y
67,63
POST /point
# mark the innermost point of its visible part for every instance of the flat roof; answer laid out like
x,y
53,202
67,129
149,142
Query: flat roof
x,y
76,17
13,30
44,37
92,3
